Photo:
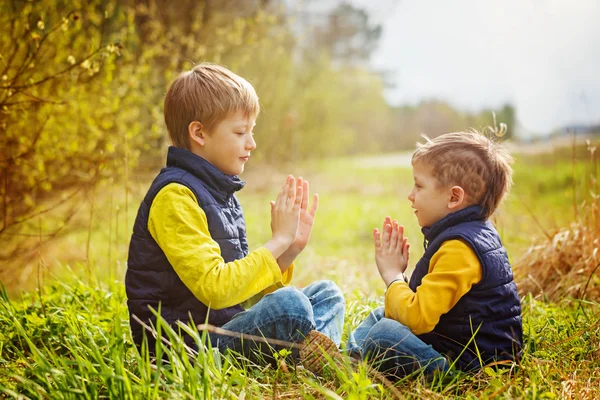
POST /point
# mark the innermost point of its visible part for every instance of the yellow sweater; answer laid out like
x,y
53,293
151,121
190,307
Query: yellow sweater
x,y
453,270
180,228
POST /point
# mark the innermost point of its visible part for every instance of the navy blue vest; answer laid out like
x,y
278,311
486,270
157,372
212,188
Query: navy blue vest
x,y
150,280
491,308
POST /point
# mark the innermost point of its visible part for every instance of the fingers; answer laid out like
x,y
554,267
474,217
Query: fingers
x,y
386,232
394,236
285,211
305,197
314,205
400,233
402,241
377,238
282,194
298,203
305,192
294,189
291,194
290,184
391,236
386,221
386,236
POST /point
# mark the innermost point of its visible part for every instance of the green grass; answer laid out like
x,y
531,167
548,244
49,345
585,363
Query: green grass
x,y
72,341
70,338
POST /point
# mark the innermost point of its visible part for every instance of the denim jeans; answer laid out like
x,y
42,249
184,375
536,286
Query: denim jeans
x,y
392,348
286,314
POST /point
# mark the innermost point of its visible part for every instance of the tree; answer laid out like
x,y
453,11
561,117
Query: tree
x,y
347,34
309,105
81,95
60,90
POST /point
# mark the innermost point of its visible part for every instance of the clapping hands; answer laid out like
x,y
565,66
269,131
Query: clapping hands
x,y
391,250
285,212
305,217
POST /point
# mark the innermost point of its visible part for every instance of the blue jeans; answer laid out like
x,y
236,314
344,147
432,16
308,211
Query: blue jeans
x,y
286,314
392,347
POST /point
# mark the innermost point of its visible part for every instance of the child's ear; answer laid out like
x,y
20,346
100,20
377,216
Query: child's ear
x,y
196,133
457,197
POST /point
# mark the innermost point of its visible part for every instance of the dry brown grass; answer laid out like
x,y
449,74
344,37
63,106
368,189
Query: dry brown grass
x,y
567,261
566,264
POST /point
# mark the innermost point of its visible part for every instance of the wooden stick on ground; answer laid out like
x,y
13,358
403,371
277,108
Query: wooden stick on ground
x,y
220,331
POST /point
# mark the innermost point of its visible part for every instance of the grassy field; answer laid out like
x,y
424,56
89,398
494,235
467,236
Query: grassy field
x,y
69,338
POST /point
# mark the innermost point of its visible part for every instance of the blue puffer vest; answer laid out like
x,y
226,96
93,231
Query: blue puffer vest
x,y
491,308
150,280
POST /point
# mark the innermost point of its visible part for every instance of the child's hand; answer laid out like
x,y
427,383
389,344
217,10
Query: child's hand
x,y
307,217
391,250
285,212
305,225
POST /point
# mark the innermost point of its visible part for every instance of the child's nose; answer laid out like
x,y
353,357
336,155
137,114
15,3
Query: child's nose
x,y
411,196
251,144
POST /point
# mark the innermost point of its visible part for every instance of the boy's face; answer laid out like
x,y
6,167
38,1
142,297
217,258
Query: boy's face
x,y
229,145
430,201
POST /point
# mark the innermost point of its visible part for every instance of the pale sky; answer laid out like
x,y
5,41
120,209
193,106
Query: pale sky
x,y
543,56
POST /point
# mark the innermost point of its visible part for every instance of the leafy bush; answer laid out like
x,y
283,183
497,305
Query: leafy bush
x,y
63,125
81,93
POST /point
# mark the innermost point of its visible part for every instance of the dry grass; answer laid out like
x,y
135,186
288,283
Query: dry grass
x,y
566,263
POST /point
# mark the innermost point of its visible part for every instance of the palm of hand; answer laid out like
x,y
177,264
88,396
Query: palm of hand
x,y
305,225
306,217
392,260
391,250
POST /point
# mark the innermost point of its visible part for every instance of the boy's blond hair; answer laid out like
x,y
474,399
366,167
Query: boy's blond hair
x,y
208,93
472,161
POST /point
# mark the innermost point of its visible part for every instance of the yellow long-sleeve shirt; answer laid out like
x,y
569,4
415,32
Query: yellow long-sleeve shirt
x,y
180,228
453,270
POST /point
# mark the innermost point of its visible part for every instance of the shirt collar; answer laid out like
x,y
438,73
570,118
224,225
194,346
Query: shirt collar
x,y
471,213
221,186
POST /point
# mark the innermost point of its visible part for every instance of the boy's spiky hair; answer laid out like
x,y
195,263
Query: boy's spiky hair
x,y
472,161
208,93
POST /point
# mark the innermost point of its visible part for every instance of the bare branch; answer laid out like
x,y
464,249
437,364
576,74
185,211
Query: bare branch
x,y
51,77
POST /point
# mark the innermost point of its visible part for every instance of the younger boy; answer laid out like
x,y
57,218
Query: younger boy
x,y
461,305
188,255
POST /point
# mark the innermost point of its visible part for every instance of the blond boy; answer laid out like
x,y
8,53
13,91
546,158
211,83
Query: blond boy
x,y
189,255
461,305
